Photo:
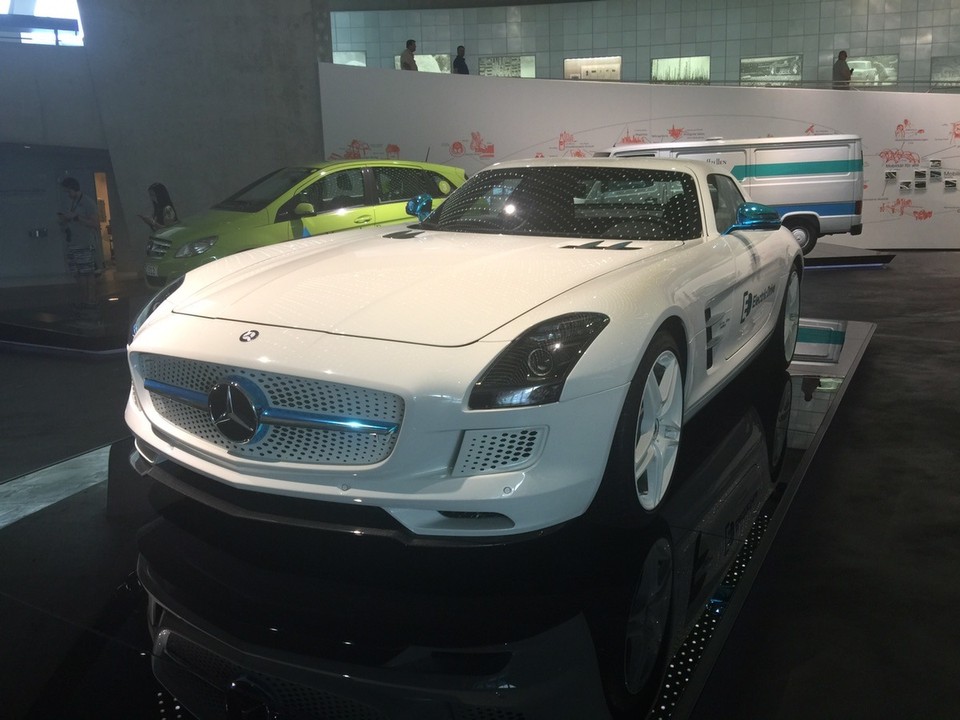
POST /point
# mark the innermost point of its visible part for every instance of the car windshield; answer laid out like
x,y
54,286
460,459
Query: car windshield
x,y
581,202
262,192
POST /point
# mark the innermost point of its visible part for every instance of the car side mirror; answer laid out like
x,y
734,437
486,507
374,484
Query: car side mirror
x,y
304,209
754,216
420,206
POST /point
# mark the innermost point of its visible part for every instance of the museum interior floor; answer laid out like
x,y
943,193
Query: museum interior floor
x,y
850,614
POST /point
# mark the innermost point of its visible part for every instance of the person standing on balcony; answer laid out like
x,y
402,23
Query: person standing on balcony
x,y
407,60
841,72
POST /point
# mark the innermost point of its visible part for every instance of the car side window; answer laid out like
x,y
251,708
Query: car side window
x,y
337,190
726,198
341,189
396,184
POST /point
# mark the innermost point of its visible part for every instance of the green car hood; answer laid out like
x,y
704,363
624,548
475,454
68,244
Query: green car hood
x,y
212,222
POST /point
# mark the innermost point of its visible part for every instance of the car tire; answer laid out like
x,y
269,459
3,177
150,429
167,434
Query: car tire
x,y
783,342
647,437
633,643
805,232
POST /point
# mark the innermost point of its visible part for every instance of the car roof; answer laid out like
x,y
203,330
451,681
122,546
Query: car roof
x,y
366,162
642,163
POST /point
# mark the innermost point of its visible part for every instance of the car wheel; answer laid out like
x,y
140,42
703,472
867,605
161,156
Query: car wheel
x,y
647,437
804,232
784,341
634,648
776,421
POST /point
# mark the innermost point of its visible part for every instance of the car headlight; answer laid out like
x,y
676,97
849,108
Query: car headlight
x,y
196,247
153,304
534,367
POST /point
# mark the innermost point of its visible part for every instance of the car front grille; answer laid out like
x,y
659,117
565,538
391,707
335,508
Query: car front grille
x,y
294,442
157,248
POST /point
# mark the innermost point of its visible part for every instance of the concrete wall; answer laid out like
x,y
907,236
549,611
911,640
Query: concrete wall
x,y
201,96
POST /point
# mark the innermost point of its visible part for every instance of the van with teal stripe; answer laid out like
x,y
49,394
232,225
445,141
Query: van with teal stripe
x,y
814,181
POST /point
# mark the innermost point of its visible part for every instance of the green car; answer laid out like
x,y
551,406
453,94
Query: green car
x,y
296,202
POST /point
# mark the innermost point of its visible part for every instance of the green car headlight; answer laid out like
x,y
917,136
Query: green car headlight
x,y
534,367
196,247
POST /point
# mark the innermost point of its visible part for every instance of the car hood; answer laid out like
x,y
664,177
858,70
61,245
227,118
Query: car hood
x,y
424,287
212,222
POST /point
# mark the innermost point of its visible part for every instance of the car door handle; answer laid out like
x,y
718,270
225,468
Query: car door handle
x,y
363,219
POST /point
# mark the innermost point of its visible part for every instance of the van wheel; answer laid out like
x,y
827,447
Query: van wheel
x,y
805,233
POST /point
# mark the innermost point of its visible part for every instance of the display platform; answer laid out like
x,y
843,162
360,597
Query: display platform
x,y
48,318
302,623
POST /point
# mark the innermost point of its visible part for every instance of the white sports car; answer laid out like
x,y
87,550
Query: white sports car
x,y
530,349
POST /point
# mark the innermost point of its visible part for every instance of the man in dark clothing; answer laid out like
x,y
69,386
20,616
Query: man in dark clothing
x,y
459,63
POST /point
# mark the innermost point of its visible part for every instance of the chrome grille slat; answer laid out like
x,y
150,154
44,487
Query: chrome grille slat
x,y
281,443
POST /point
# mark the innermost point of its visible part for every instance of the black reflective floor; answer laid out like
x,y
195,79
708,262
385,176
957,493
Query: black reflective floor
x,y
812,582
254,618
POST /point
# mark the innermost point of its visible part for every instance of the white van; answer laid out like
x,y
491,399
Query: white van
x,y
814,181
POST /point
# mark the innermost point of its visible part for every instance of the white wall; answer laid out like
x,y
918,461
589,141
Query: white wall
x,y
474,121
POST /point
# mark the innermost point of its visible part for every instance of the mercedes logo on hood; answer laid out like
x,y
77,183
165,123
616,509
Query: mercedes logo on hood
x,y
234,412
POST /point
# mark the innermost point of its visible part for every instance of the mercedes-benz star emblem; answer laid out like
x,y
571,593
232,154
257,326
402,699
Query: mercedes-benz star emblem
x,y
233,412
250,336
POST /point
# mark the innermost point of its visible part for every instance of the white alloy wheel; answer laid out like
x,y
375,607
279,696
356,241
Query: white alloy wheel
x,y
791,314
647,623
658,429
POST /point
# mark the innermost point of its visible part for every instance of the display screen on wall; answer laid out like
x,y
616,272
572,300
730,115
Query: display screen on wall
x,y
357,58
870,70
507,66
945,71
594,68
776,70
681,69
428,63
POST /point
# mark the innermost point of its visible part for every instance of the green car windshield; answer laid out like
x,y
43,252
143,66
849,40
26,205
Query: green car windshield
x,y
262,192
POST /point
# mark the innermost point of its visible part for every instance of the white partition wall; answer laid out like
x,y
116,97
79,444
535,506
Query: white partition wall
x,y
911,140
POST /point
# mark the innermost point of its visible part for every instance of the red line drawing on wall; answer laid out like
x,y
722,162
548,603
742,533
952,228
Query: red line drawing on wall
x,y
922,214
578,153
565,139
906,129
356,149
539,155
897,207
393,151
480,146
456,148
675,132
632,139
955,131
810,130
894,156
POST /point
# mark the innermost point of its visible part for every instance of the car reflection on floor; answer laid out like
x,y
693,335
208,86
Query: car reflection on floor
x,y
255,620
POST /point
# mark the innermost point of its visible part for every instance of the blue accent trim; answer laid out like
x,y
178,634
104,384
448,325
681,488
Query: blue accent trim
x,y
300,418
277,416
817,167
820,336
187,397
838,209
